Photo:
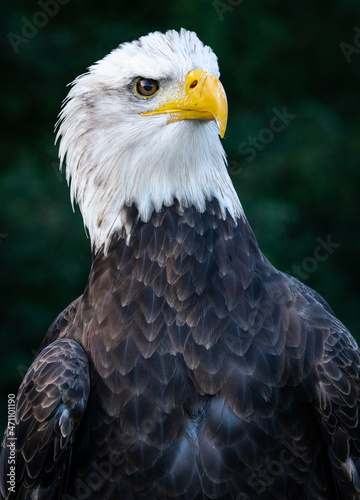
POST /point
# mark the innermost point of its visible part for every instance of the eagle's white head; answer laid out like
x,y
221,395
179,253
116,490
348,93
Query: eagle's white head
x,y
142,126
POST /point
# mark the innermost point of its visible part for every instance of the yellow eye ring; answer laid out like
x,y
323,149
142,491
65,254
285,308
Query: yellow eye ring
x,y
146,87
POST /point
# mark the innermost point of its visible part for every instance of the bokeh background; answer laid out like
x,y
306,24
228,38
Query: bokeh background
x,y
298,179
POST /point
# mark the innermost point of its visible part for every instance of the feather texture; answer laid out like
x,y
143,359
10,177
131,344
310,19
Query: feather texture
x,y
190,368
192,396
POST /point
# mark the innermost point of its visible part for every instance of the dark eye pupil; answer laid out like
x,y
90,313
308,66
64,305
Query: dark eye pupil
x,y
146,87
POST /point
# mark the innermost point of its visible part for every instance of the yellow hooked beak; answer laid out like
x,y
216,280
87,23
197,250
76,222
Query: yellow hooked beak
x,y
205,99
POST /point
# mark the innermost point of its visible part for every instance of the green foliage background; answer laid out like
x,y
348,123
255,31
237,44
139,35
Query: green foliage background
x,y
302,185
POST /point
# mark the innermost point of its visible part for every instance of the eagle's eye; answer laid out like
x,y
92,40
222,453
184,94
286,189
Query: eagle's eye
x,y
145,87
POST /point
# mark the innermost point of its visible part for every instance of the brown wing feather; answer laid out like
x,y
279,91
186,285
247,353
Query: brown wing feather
x,y
49,407
338,407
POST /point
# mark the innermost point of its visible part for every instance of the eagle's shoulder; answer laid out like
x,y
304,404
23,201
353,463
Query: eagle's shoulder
x,y
61,323
321,361
300,323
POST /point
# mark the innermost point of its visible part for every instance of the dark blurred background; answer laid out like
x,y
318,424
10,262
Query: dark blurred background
x,y
292,75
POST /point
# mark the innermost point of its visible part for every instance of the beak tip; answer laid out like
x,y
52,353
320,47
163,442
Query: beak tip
x,y
222,128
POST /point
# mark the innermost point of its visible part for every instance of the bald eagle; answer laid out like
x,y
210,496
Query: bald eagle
x,y
190,368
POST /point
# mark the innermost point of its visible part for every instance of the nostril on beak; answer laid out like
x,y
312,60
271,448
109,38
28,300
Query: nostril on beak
x,y
193,84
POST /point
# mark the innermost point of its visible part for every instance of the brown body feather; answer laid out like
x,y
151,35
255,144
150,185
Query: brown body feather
x,y
212,375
